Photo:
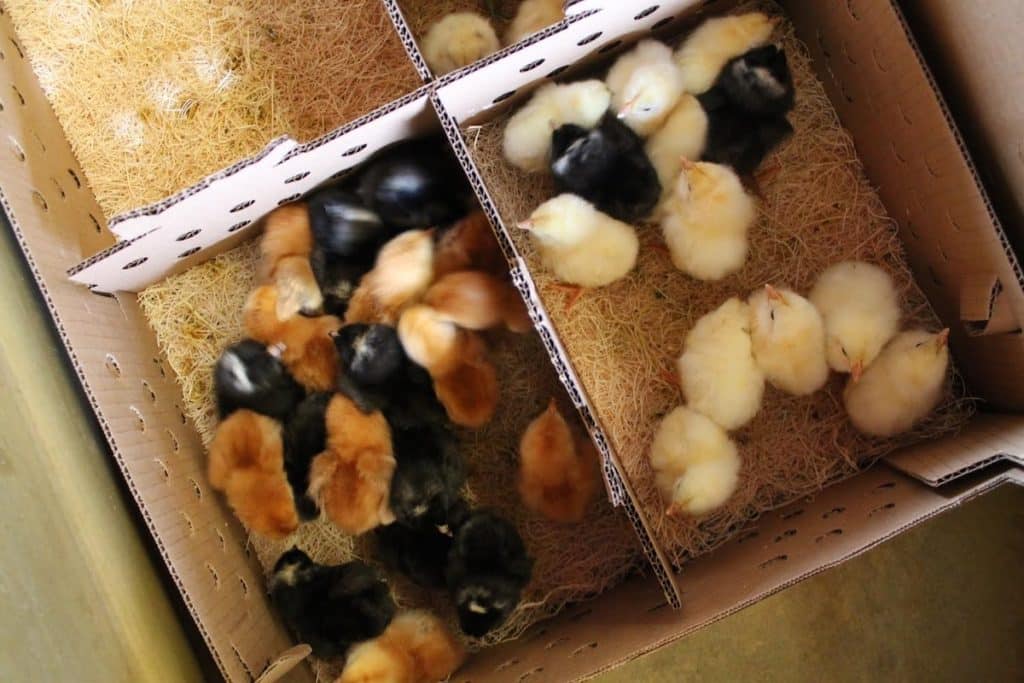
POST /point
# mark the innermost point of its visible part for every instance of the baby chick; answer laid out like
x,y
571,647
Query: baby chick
x,y
458,40
403,271
419,554
370,354
861,310
902,386
532,16
488,568
705,51
251,375
695,463
246,463
351,480
717,370
788,338
431,340
527,137
469,392
415,648
428,476
306,346
706,219
682,136
469,244
581,245
478,301
284,260
558,469
607,166
759,81
305,437
645,85
330,607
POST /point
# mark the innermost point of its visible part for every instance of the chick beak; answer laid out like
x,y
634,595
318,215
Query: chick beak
x,y
276,350
627,108
672,510
687,164
774,294
942,339
856,370
525,225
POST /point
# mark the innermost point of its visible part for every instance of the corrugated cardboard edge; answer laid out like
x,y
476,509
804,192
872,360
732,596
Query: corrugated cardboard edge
x,y
408,40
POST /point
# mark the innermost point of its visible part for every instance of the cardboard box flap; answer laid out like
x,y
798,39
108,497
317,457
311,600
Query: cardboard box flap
x,y
218,213
783,548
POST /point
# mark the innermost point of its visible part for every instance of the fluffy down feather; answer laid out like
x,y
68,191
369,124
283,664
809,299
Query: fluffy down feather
x,y
469,392
478,301
285,248
415,648
469,244
401,274
430,340
788,338
717,370
683,136
701,57
532,16
645,85
458,40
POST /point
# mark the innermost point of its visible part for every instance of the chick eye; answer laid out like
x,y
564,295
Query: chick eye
x,y
918,345
771,314
843,349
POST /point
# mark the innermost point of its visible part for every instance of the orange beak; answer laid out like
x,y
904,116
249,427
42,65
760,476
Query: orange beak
x,y
774,294
687,164
856,370
672,510
627,108
525,225
942,338
276,350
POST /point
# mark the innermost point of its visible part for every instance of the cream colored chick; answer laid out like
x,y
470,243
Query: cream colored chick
x,y
696,465
532,16
527,137
645,85
706,219
861,311
416,647
401,274
581,245
717,371
705,51
683,136
788,338
902,386
458,40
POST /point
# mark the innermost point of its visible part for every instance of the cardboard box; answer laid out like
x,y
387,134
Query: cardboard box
x,y
910,148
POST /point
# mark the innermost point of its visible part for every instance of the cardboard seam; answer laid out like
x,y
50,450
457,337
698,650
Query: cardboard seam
x,y
412,48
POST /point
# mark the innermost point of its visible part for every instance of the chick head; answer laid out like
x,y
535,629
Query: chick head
x,y
772,309
854,338
700,179
485,602
922,350
760,81
649,96
289,567
564,219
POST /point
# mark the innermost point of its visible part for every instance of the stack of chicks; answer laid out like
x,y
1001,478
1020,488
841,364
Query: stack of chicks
x,y
849,323
710,113
461,38
365,354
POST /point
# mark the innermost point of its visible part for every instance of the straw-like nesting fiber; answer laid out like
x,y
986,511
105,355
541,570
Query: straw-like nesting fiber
x,y
622,340
154,96
197,313
422,15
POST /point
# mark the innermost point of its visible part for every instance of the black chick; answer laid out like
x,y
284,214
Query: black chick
x,y
428,476
415,184
331,608
421,555
746,109
488,568
346,238
607,166
305,437
250,375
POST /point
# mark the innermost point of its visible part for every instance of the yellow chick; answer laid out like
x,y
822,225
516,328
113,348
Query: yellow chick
x,y
717,371
416,647
401,274
527,138
458,40
705,51
532,16
861,310
682,136
581,245
788,338
696,465
645,86
706,219
902,386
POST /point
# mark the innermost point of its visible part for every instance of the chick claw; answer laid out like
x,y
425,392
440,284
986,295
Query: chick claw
x,y
671,377
574,293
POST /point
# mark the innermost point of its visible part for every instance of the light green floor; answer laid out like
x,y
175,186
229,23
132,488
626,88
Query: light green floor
x,y
81,600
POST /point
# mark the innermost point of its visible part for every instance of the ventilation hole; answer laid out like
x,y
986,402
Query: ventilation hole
x,y
896,153
774,560
213,573
788,533
238,656
74,179
39,141
289,199
159,367
579,615
16,148
882,508
243,584
646,13
885,486
530,674
40,200
17,93
903,114
503,96
60,190
140,422
609,47
1,106
834,532
791,514
175,445
507,664
558,72
935,173
181,416
353,150
188,522
163,469
238,226
833,512
149,392
586,41
135,264
243,206
934,276
220,540
95,223
556,642
746,536
186,235
849,9
532,65
17,48
297,177
189,252
195,489
846,94
113,367
657,608
661,23
583,648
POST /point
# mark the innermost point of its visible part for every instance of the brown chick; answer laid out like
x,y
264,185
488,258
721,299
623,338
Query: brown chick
x,y
469,392
351,480
401,274
478,301
430,340
246,463
469,244
285,248
306,345
415,648
558,474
